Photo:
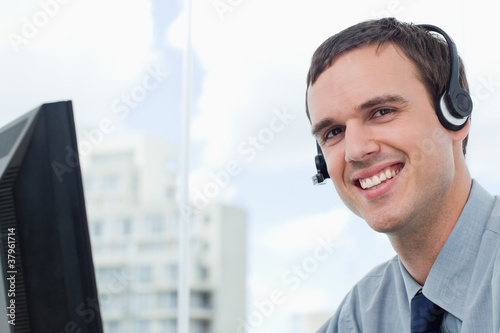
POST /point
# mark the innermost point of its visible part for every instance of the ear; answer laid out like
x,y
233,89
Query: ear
x,y
460,138
461,134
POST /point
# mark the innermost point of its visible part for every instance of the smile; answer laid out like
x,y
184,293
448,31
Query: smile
x,y
372,182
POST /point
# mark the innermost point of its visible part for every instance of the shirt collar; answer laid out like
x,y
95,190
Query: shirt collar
x,y
456,257
412,286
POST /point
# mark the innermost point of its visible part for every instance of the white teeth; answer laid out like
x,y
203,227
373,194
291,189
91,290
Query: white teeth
x,y
378,179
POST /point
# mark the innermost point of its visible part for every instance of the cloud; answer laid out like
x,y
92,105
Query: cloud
x,y
90,52
302,234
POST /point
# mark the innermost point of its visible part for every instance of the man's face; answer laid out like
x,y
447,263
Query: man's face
x,y
387,154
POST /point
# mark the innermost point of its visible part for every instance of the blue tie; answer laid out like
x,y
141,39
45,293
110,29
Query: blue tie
x,y
426,316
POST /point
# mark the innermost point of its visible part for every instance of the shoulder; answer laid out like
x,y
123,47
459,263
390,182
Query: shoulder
x,y
378,284
364,304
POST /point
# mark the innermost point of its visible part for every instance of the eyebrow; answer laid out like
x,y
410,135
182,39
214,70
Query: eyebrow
x,y
382,100
369,104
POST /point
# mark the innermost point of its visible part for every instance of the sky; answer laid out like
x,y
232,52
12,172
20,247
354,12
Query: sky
x,y
121,61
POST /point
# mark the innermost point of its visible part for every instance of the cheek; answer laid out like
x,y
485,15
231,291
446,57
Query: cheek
x,y
335,163
432,145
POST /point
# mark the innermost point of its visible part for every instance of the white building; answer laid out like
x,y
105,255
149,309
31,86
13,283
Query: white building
x,y
133,219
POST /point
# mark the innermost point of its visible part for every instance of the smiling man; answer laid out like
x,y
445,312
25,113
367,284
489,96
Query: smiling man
x,y
397,159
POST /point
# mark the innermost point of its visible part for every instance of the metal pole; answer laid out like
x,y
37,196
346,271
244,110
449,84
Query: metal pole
x,y
183,289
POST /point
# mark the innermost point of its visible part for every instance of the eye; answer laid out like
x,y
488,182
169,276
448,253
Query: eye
x,y
334,133
382,112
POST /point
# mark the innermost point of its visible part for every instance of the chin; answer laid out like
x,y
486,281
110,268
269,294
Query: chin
x,y
383,224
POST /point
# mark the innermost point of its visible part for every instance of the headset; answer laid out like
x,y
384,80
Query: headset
x,y
453,108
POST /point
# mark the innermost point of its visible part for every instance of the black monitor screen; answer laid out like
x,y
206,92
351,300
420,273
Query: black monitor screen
x,y
47,273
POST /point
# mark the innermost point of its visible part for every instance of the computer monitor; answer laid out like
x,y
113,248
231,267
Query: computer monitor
x,y
47,279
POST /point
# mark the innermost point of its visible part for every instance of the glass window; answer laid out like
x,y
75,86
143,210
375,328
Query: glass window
x,y
124,226
111,183
143,302
111,302
171,272
168,300
89,184
96,228
143,274
142,326
169,326
200,326
201,300
201,273
109,275
155,224
112,326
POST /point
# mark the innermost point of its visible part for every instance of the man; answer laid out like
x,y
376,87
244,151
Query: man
x,y
372,96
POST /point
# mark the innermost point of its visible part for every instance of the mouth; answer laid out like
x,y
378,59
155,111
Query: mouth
x,y
379,178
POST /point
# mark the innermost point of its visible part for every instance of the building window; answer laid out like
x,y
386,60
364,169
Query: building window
x,y
202,273
143,302
110,275
155,224
112,183
142,326
89,184
201,300
143,274
96,228
124,226
171,272
113,326
111,302
168,300
169,326
201,326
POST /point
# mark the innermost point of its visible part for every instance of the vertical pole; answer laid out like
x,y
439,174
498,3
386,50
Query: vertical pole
x,y
183,289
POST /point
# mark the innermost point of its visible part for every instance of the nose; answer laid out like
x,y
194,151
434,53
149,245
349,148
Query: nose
x,y
360,144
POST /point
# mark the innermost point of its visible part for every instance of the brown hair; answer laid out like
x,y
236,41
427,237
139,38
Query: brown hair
x,y
427,51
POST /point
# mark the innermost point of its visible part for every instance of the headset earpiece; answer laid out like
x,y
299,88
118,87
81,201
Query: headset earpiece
x,y
320,177
455,106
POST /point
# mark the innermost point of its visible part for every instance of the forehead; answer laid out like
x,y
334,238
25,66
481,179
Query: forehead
x,y
359,75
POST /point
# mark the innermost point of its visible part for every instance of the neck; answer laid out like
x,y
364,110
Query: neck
x,y
418,248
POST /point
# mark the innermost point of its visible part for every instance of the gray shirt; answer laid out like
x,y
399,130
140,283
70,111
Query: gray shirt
x,y
464,281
